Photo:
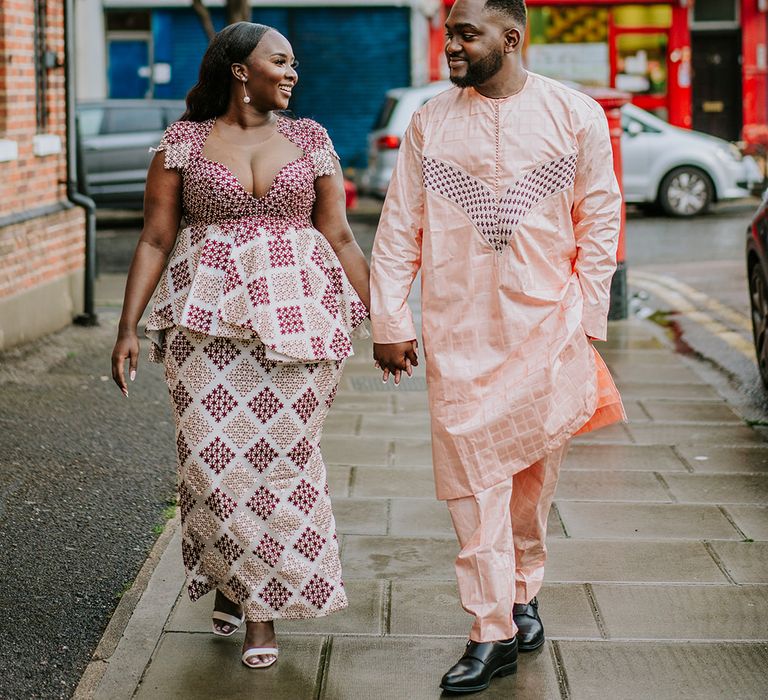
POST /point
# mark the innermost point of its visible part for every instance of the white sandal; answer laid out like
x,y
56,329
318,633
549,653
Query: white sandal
x,y
259,651
219,616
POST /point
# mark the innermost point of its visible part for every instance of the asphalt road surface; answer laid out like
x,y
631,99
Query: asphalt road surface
x,y
694,272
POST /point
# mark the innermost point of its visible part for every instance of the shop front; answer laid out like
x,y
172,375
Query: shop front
x,y
642,48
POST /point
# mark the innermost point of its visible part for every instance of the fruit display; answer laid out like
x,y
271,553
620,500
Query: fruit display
x,y
575,25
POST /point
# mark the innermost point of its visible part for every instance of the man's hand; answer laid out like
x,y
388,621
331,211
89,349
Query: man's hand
x,y
396,358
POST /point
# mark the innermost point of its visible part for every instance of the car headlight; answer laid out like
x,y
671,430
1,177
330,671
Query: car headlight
x,y
730,153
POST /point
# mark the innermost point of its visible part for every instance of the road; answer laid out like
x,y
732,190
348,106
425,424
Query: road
x,y
694,272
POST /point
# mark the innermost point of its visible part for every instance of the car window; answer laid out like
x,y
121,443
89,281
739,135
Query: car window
x,y
90,121
124,120
626,121
385,113
173,114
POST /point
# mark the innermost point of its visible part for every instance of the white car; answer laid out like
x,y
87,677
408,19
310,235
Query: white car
x,y
679,170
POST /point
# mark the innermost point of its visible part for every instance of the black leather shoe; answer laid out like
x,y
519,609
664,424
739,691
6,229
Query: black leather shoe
x,y
530,631
480,663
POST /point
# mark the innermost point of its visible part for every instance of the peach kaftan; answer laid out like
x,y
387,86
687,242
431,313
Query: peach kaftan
x,y
511,210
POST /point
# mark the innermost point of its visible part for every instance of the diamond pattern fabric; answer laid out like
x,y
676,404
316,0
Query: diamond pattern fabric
x,y
255,507
247,267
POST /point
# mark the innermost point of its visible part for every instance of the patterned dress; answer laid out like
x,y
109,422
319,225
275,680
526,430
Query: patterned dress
x,y
253,318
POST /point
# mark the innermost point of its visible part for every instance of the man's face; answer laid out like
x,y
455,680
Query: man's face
x,y
474,43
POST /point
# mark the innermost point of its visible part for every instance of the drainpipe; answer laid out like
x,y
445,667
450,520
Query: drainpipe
x,y
75,178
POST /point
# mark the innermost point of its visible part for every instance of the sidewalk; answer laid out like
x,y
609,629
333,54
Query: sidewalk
x,y
657,585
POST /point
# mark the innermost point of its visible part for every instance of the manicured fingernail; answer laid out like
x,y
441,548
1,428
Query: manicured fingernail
x,y
125,393
133,374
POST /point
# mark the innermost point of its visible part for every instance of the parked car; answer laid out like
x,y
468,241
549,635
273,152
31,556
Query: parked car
x,y
116,136
757,275
115,139
679,170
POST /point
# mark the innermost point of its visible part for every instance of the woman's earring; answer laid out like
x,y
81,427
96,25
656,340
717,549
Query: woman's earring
x,y
246,98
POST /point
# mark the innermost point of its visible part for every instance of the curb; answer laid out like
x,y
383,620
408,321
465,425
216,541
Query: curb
x,y
99,663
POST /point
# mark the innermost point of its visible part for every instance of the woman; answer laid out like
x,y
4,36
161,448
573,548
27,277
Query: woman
x,y
252,319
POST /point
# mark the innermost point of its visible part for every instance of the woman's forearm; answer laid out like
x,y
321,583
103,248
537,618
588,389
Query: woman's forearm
x,y
143,275
356,269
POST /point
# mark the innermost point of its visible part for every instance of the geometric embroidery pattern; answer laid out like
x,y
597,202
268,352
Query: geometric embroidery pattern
x,y
254,267
253,316
498,221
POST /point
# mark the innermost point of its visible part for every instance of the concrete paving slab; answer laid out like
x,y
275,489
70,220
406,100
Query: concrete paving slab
x,y
419,517
746,562
360,516
712,458
411,402
752,520
571,560
338,480
685,411
683,612
360,452
363,616
398,557
613,434
617,357
610,486
371,669
665,390
356,402
413,453
665,671
338,423
191,666
692,434
635,412
646,343
624,457
719,488
422,517
433,608
645,521
407,425
392,482
652,372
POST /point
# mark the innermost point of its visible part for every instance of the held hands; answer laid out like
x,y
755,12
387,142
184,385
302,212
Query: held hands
x,y
396,358
126,348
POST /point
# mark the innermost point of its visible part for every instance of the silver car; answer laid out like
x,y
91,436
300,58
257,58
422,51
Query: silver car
x,y
115,139
681,171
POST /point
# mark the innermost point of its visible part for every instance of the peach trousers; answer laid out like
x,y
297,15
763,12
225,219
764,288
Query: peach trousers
x,y
502,532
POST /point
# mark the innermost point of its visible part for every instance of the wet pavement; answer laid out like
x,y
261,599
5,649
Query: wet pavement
x,y
657,581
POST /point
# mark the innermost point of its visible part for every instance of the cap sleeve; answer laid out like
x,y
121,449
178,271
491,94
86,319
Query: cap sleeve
x,y
177,144
316,142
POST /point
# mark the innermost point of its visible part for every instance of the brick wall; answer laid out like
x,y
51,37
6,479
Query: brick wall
x,y
41,235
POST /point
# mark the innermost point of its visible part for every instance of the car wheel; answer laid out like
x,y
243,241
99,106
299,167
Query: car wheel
x,y
758,297
685,191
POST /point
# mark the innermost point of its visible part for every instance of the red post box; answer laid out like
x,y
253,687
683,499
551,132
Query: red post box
x,y
611,101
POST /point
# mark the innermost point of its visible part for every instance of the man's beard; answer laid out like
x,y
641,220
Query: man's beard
x,y
481,70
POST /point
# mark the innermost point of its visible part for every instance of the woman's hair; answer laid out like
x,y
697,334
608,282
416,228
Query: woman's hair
x,y
209,98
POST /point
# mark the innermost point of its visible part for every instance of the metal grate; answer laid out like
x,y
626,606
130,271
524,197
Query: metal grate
x,y
41,82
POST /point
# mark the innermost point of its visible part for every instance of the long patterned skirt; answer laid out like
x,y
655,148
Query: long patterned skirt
x,y
255,509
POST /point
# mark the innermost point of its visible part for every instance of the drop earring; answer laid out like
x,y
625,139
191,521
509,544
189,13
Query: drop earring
x,y
246,97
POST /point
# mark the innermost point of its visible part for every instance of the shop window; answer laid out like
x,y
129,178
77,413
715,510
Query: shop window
x,y
641,63
569,43
643,16
128,20
715,11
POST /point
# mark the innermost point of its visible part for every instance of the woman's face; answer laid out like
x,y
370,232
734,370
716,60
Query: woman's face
x,y
271,72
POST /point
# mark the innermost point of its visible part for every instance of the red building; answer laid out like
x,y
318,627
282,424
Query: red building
x,y
700,65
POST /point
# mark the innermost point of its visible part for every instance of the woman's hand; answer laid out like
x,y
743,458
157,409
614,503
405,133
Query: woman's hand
x,y
126,348
396,358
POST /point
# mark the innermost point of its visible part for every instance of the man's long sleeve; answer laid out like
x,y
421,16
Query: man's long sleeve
x,y
596,222
397,249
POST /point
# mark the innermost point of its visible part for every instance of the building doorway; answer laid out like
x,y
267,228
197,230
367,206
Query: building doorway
x,y
717,83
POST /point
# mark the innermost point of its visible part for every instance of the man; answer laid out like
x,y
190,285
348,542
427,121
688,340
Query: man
x,y
504,197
